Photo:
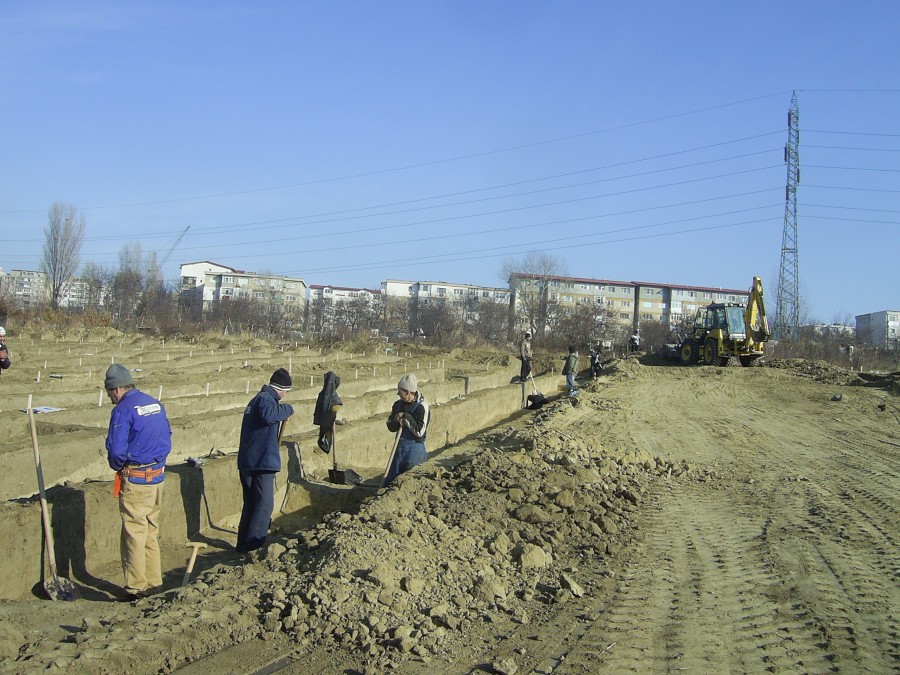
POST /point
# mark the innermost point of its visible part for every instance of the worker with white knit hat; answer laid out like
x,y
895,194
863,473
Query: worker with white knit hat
x,y
409,419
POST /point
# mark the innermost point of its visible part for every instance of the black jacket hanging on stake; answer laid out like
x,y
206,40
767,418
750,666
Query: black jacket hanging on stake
x,y
327,405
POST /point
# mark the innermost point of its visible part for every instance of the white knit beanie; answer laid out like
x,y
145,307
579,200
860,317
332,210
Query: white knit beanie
x,y
409,383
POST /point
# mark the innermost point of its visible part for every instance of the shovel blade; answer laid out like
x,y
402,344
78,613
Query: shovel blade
x,y
337,477
60,588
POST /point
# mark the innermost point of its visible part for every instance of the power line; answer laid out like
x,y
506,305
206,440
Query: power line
x,y
420,165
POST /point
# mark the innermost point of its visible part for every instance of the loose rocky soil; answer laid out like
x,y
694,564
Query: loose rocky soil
x,y
667,518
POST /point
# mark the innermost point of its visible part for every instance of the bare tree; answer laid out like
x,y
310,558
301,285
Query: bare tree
x,y
63,237
98,280
492,320
586,323
531,282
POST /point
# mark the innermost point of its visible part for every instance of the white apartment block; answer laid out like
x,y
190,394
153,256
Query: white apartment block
x,y
879,329
338,294
206,284
426,292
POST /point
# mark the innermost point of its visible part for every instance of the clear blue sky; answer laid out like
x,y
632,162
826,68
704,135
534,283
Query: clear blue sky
x,y
350,142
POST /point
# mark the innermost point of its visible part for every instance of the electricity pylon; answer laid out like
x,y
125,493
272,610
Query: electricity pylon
x,y
787,311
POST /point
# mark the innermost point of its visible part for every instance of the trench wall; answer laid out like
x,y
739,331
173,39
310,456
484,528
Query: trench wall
x,y
199,502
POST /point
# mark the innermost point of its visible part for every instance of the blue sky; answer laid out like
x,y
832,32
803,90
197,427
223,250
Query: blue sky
x,y
351,142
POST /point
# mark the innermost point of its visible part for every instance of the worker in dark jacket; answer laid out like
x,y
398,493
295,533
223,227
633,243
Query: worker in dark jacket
x,y
4,351
137,444
409,416
259,459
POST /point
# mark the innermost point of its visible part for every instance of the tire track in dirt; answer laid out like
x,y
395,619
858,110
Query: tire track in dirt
x,y
699,595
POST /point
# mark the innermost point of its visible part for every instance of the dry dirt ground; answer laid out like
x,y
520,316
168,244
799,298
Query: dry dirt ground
x,y
666,519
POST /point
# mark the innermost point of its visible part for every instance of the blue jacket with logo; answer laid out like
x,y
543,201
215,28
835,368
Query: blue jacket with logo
x,y
139,432
258,449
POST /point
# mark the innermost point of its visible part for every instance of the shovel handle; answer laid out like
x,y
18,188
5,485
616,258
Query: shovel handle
x,y
391,458
45,515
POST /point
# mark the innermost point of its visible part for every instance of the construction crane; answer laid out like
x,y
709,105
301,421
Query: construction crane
x,y
156,264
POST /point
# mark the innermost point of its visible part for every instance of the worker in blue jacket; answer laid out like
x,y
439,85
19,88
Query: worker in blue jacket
x,y
137,444
259,459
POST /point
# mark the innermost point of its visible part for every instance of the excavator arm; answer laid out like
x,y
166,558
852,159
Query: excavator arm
x,y
755,316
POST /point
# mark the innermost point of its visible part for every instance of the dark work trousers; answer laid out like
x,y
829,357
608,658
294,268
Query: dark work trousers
x,y
526,369
409,453
259,501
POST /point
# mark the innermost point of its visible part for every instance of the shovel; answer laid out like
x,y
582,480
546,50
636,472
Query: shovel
x,y
391,458
57,588
335,475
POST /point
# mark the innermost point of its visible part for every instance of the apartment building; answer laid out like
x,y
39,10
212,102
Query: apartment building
x,y
30,289
630,302
205,284
879,329
331,295
427,292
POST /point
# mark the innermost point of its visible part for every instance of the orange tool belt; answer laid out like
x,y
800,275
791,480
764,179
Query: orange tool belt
x,y
143,474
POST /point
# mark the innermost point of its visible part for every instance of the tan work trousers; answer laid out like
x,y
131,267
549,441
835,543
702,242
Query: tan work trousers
x,y
139,506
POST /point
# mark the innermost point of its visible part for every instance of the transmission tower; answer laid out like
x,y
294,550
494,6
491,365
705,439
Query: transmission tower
x,y
787,311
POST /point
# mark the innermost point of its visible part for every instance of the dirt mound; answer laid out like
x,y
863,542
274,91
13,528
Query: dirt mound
x,y
495,536
817,370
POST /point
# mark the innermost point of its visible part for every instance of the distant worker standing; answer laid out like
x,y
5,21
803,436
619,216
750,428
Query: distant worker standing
x,y
137,445
634,342
4,351
409,416
525,356
570,367
259,459
596,360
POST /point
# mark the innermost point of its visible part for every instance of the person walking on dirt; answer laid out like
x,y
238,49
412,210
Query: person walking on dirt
x,y
570,367
409,416
325,413
4,351
259,459
525,357
137,444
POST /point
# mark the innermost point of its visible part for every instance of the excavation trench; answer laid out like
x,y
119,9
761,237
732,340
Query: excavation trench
x,y
202,499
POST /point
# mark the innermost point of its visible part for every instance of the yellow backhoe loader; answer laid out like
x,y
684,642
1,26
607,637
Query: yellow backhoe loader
x,y
725,330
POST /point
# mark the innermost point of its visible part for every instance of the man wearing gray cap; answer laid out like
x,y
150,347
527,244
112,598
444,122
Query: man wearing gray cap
x,y
137,444
409,418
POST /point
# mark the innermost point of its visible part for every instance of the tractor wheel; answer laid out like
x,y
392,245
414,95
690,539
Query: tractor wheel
x,y
748,360
725,361
711,352
689,353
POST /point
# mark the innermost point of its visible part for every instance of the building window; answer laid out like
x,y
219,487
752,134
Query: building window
x,y
259,295
624,303
243,281
228,280
646,304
